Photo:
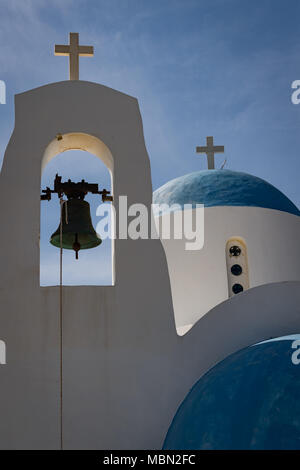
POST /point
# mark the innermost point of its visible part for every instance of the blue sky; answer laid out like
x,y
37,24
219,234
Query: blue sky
x,y
198,68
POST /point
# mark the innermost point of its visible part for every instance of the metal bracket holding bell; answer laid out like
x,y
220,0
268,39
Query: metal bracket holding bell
x,y
78,233
74,190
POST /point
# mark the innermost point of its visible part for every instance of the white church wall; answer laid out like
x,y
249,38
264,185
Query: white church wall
x,y
199,279
117,340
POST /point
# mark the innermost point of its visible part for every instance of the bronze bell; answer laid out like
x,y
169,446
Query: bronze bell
x,y
77,230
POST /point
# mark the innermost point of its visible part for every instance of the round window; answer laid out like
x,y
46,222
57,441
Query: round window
x,y
235,250
236,270
237,288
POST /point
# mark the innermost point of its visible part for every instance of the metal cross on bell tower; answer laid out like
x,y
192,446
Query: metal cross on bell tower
x,y
74,50
210,151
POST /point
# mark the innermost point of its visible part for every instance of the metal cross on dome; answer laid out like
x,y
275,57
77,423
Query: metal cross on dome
x,y
210,151
74,50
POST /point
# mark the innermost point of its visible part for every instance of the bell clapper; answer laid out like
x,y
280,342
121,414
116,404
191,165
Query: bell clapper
x,y
76,246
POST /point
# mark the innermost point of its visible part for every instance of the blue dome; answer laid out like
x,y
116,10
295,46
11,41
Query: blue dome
x,y
248,401
223,188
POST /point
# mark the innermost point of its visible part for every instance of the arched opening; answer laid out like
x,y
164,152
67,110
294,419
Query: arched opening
x,y
75,157
237,266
